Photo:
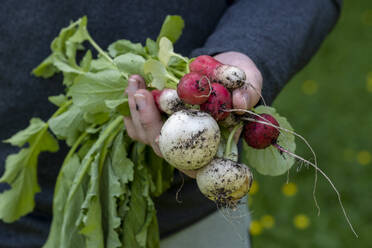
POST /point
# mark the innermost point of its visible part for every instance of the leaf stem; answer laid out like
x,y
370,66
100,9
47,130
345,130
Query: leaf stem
x,y
104,54
67,158
99,49
86,165
106,145
172,78
177,72
181,57
74,147
61,109
230,139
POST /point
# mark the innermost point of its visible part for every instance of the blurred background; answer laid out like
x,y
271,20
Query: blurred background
x,y
329,103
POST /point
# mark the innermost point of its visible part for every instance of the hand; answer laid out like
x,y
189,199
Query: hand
x,y
145,122
245,97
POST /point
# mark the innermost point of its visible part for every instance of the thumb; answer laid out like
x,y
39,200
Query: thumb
x,y
246,97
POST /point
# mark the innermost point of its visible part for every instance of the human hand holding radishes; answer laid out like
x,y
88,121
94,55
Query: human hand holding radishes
x,y
145,122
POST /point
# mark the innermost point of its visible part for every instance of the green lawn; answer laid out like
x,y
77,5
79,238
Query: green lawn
x,y
329,103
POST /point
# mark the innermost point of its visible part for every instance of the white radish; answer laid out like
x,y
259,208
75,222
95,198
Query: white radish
x,y
230,76
169,102
189,139
224,181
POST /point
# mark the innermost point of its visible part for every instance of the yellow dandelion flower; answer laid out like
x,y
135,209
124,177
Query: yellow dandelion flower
x,y
369,82
289,189
267,221
364,157
255,228
301,221
254,188
309,87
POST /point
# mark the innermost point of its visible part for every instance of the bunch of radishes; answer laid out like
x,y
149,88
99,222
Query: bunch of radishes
x,y
190,138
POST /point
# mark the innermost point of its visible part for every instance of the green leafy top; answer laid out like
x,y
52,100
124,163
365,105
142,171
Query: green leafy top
x,y
103,194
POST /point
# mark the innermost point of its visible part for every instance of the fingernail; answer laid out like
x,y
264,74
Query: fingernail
x,y
132,85
140,100
132,80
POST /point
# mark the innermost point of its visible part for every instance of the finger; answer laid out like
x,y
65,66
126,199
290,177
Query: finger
x,y
129,126
131,90
132,85
139,79
241,100
249,94
253,90
156,147
149,117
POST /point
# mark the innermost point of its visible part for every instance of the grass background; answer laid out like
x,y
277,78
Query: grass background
x,y
329,103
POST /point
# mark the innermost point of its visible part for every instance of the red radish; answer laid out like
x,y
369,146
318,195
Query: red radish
x,y
194,88
230,76
204,65
259,135
156,95
218,101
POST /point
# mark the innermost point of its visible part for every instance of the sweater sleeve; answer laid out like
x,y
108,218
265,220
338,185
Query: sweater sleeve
x,y
280,36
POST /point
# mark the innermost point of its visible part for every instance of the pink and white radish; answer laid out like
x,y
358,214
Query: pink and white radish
x,y
189,139
168,101
204,65
194,88
218,102
230,76
224,181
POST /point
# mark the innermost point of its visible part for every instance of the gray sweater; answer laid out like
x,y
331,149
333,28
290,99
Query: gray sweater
x,y
280,36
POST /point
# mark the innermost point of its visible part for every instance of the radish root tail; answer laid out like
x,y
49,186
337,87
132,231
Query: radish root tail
x,y
267,122
314,165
